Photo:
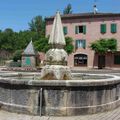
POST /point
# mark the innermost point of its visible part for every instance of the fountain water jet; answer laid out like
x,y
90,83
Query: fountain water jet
x,y
56,58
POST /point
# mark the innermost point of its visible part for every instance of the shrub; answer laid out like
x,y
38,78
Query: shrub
x,y
17,55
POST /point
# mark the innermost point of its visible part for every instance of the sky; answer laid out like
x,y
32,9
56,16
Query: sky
x,y
16,14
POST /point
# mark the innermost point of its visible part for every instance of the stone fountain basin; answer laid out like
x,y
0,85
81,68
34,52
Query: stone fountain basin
x,y
59,97
36,76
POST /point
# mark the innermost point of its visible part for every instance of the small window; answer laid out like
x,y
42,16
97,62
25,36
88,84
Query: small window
x,y
65,30
80,29
103,28
117,59
80,44
113,28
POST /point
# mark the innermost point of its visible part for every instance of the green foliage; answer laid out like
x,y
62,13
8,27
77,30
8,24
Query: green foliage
x,y
11,41
42,45
112,45
7,41
104,45
17,55
14,42
37,24
68,9
69,46
24,37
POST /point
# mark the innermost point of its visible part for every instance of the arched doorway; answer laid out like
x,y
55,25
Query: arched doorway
x,y
80,60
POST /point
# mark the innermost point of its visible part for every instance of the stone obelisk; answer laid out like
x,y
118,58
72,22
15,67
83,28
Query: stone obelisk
x,y
56,57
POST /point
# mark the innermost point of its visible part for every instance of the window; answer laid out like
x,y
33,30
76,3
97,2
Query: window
x,y
80,29
117,59
80,60
65,30
103,28
113,28
80,44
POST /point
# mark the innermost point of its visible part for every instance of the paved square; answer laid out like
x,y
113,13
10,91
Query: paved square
x,y
111,115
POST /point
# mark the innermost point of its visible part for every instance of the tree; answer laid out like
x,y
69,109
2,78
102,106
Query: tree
x,y
17,55
24,37
69,46
103,46
112,45
37,24
68,9
11,41
8,31
43,46
7,40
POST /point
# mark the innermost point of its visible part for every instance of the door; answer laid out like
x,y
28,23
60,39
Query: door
x,y
80,60
28,61
101,61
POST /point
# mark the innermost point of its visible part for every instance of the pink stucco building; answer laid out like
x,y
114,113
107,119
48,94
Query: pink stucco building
x,y
85,28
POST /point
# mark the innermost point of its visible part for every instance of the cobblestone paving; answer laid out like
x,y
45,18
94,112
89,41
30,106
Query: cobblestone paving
x,y
111,115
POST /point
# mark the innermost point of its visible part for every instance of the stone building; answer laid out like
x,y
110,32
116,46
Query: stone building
x,y
29,56
85,28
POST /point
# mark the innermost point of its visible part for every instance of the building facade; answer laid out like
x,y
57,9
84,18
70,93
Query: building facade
x,y
85,29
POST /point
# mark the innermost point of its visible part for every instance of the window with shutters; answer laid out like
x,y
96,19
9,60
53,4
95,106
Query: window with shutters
x,y
80,29
103,28
113,28
65,30
80,44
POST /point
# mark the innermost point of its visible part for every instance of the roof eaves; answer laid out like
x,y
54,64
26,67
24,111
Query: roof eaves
x,y
85,15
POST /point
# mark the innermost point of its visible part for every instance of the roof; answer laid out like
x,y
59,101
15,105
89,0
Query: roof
x,y
86,15
29,49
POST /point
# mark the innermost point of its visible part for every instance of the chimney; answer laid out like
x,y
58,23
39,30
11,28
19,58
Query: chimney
x,y
95,9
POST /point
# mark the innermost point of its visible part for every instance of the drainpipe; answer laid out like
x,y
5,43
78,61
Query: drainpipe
x,y
41,90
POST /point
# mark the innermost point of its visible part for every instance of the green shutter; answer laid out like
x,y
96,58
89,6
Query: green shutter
x,y
65,30
76,29
84,29
103,28
84,44
113,28
76,44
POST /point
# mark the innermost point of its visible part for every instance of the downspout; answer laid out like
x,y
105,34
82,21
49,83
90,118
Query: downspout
x,y
41,90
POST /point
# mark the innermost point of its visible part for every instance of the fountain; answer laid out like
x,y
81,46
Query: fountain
x,y
59,92
56,58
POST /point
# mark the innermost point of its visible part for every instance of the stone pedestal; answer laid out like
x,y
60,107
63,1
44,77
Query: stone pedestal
x,y
56,72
